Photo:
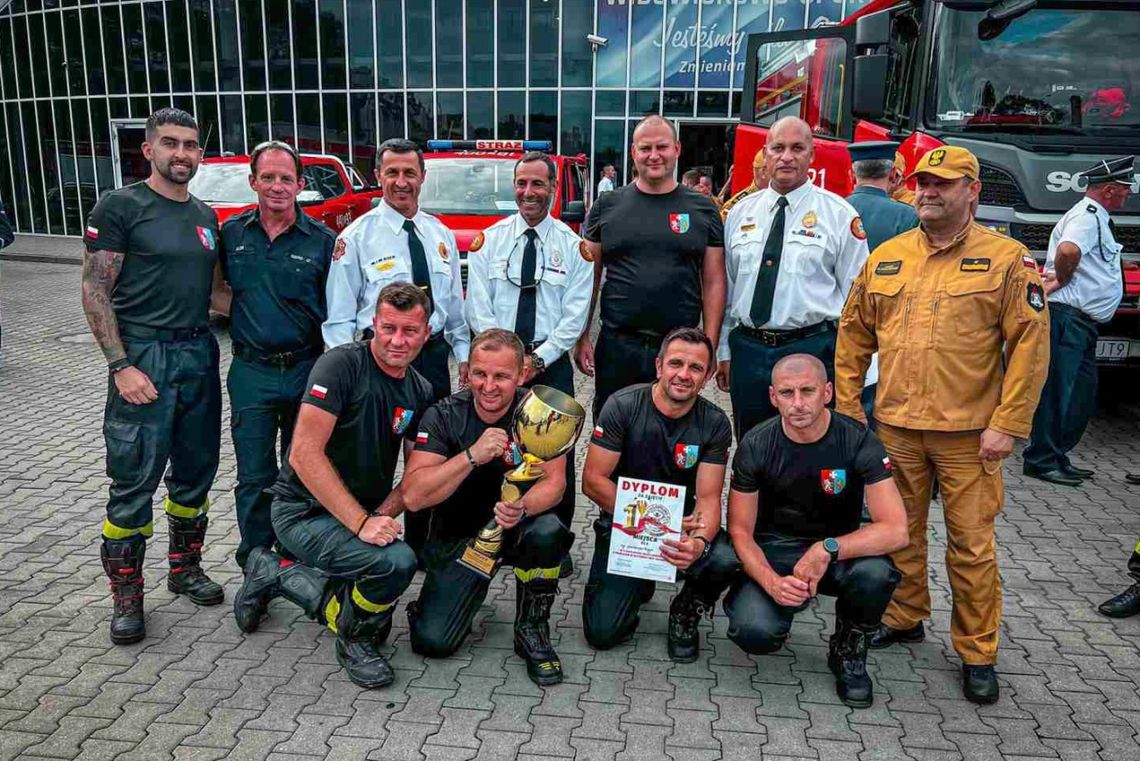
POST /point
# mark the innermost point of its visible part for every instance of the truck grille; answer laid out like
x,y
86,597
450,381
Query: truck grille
x,y
1036,237
999,188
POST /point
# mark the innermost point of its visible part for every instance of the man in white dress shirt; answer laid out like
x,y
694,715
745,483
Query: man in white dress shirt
x,y
527,274
397,242
1084,286
792,252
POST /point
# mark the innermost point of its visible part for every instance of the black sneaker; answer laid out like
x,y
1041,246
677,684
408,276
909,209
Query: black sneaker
x,y
885,636
1125,604
980,684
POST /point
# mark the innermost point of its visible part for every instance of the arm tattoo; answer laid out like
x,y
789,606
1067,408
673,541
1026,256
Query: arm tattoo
x,y
100,272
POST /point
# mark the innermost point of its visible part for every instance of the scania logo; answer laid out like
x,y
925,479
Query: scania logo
x,y
1074,182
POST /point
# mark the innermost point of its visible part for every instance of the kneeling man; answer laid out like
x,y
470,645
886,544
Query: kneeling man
x,y
665,432
462,453
334,508
798,484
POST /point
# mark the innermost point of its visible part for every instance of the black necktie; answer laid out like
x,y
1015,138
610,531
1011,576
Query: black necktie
x,y
761,310
528,291
421,275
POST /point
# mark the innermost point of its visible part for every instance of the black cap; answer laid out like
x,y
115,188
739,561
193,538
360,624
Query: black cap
x,y
880,150
1111,170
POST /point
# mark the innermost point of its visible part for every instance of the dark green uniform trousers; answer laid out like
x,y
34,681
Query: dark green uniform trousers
x,y
264,401
622,358
182,427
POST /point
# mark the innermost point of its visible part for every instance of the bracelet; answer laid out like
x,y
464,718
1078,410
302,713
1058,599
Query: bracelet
x,y
470,459
119,364
363,520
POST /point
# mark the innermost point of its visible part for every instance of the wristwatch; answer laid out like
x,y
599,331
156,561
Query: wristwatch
x,y
707,549
538,363
832,547
119,364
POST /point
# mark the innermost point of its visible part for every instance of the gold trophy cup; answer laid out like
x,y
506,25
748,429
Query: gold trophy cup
x,y
546,424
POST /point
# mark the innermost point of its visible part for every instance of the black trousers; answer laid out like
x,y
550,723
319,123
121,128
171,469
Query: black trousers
x,y
432,364
560,376
183,427
612,602
264,401
750,373
862,588
317,539
441,618
622,359
1068,399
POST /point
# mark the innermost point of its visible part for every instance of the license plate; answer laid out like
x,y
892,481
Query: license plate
x,y
1111,350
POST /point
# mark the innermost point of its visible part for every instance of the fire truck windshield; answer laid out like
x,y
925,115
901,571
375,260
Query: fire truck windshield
x,y
475,185
1049,70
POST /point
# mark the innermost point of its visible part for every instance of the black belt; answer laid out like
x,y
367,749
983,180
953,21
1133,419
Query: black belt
x,y
279,359
146,333
368,334
647,336
774,338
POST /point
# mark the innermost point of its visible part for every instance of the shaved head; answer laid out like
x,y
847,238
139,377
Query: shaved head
x,y
789,150
654,120
797,364
794,124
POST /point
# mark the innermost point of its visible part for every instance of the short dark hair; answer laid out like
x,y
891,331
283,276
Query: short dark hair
x,y
691,176
399,145
404,297
529,156
656,119
689,336
274,145
494,339
164,116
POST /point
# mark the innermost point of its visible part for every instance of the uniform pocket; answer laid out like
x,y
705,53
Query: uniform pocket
x,y
890,310
805,256
301,279
124,448
974,303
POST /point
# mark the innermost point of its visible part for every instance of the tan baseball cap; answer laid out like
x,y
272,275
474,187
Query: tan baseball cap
x,y
758,159
948,162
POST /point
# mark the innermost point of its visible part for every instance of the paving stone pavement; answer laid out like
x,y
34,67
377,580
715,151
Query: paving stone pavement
x,y
197,689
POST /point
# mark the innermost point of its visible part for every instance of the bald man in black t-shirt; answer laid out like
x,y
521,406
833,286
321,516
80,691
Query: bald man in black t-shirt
x,y
798,485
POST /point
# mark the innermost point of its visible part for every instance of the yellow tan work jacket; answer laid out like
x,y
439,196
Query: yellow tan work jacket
x,y
941,319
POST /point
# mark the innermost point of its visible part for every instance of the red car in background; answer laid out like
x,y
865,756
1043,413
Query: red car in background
x,y
469,185
334,193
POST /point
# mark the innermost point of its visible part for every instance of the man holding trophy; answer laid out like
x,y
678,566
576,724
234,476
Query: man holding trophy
x,y
489,462
661,434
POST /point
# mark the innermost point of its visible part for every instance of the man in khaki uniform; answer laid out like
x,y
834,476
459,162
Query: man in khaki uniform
x,y
899,191
759,182
944,304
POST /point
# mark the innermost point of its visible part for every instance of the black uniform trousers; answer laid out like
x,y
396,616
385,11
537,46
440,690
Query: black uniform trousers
x,y
750,373
451,594
1068,399
264,402
182,427
622,358
560,376
862,588
317,539
612,602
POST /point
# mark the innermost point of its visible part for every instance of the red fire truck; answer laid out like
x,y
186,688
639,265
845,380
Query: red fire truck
x,y
1037,90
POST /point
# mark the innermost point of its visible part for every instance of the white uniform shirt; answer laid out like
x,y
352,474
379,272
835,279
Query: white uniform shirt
x,y
1096,287
565,282
824,249
371,253
605,185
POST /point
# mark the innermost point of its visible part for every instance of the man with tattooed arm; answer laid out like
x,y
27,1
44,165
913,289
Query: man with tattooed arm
x,y
150,277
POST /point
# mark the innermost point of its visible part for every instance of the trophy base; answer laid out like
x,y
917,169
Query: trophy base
x,y
479,563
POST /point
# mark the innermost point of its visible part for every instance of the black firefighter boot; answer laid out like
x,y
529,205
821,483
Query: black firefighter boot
x,y
847,659
123,561
358,637
186,575
685,612
533,600
258,588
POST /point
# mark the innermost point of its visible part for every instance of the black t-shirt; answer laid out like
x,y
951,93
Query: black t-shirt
x,y
809,491
448,428
654,447
374,413
171,248
652,248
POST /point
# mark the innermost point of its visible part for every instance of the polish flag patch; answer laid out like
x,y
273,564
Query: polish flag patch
x,y
318,391
92,232
887,463
421,437
599,432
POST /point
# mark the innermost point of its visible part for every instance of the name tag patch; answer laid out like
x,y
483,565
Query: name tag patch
x,y
384,263
888,268
975,265
747,228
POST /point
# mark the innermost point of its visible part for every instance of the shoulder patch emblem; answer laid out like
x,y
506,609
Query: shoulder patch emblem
x,y
339,249
443,252
888,268
1029,261
857,228
1035,296
476,243
975,265
584,250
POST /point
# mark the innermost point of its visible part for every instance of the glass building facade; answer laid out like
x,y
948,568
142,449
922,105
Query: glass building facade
x,y
77,77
